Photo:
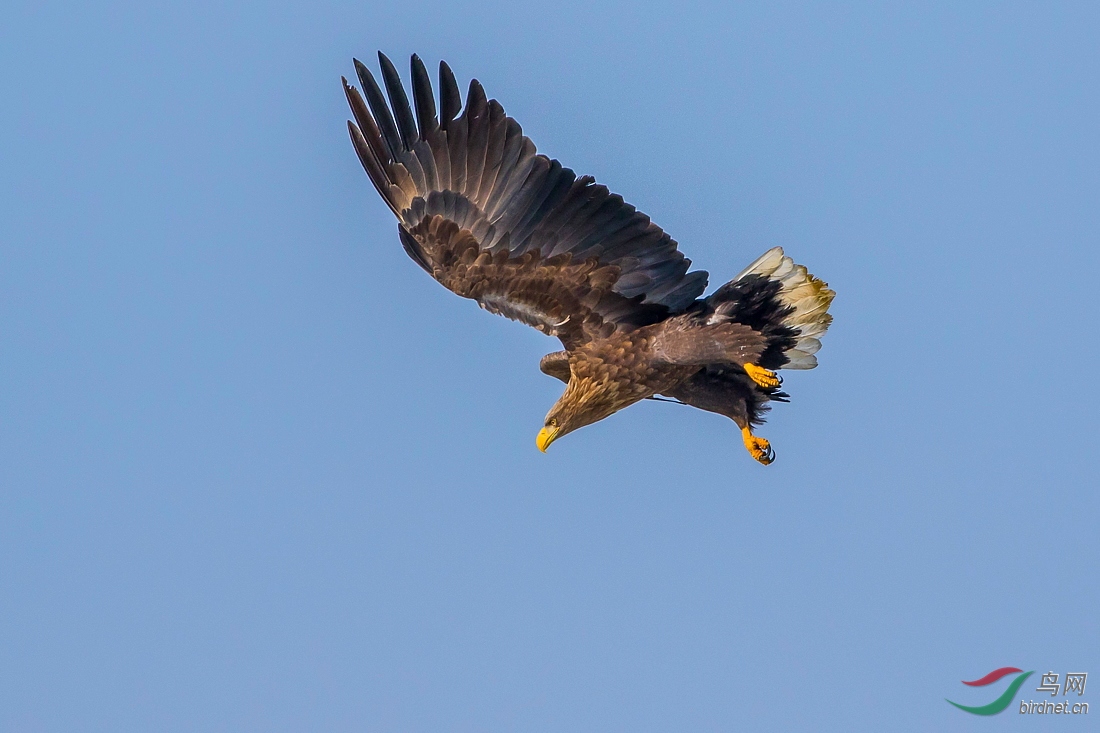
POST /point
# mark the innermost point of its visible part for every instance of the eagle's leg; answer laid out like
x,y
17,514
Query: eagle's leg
x,y
766,378
728,391
758,447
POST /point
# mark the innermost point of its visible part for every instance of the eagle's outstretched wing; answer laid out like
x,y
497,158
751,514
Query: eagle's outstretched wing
x,y
492,220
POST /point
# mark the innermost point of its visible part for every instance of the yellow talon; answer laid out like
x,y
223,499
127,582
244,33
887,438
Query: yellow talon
x,y
766,378
758,447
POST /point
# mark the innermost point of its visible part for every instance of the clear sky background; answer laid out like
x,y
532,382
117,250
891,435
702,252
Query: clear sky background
x,y
259,473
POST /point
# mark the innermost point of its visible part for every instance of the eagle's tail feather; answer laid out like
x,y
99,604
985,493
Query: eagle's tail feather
x,y
782,300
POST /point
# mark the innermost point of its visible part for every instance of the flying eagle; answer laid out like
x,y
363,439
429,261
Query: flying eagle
x,y
490,219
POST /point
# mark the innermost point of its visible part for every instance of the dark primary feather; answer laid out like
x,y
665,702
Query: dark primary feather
x,y
422,97
450,99
399,103
380,111
476,168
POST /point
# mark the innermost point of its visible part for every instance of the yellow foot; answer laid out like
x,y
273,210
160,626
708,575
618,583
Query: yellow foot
x,y
758,448
766,378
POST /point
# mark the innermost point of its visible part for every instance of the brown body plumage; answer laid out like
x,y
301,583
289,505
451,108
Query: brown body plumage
x,y
493,221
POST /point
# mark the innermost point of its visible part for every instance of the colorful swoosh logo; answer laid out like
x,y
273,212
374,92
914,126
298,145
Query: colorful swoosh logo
x,y
1006,697
992,676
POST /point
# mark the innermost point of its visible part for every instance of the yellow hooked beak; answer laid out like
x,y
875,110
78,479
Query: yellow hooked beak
x,y
545,437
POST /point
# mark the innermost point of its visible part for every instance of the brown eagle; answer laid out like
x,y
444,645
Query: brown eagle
x,y
525,237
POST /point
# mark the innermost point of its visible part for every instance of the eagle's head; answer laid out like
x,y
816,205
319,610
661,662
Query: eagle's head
x,y
585,401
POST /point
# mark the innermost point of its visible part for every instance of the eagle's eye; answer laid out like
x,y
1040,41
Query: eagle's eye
x,y
552,422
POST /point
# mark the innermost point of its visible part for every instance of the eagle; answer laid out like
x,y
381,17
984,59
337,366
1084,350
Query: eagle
x,y
490,219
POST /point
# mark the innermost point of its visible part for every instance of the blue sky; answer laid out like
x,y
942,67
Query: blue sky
x,y
258,472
